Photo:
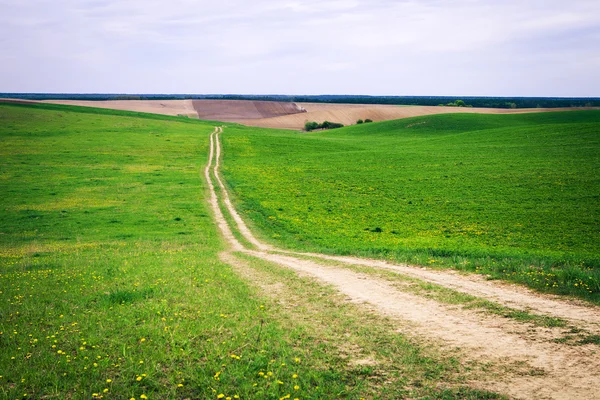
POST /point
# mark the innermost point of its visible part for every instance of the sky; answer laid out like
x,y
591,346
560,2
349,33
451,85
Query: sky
x,y
371,47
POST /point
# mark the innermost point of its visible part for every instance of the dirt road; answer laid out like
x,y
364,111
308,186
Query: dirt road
x,y
553,370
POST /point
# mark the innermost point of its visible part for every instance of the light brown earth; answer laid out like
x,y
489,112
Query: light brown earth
x,y
285,115
164,107
548,370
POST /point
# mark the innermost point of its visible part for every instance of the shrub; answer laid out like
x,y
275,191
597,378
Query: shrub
x,y
360,121
311,125
368,120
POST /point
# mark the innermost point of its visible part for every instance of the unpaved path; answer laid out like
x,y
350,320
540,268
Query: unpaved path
x,y
560,371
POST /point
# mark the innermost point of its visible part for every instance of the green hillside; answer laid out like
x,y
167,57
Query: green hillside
x,y
111,284
515,196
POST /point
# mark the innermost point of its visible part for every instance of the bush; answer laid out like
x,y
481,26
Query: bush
x,y
309,126
360,121
368,120
331,125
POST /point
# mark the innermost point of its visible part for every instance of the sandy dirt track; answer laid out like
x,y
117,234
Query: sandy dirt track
x,y
563,372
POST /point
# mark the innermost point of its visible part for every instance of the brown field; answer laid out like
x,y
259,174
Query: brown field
x,y
165,107
243,110
284,115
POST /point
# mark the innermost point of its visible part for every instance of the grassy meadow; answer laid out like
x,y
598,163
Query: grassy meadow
x,y
111,284
513,196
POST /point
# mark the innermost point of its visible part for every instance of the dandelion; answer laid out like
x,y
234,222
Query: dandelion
x,y
295,376
220,396
143,396
296,387
105,390
139,378
108,380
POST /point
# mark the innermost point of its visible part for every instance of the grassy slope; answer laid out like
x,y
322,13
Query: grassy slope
x,y
513,195
111,286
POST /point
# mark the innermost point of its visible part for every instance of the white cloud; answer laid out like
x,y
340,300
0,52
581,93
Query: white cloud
x,y
330,46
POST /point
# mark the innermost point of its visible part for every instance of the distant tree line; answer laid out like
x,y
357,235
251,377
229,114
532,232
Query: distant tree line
x,y
489,102
312,125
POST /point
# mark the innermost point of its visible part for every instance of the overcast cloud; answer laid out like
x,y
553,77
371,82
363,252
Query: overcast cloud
x,y
378,47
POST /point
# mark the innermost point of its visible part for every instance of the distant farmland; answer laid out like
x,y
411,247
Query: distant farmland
x,y
286,115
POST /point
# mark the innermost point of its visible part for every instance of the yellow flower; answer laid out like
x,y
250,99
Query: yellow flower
x,y
295,376
139,378
220,396
143,396
108,380
179,385
105,390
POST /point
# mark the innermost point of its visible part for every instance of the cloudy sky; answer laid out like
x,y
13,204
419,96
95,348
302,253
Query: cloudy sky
x,y
377,47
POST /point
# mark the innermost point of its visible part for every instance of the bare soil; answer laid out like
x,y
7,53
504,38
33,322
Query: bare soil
x,y
536,367
242,110
164,107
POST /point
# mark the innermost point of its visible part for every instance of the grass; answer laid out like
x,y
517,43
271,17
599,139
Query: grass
x,y
111,285
512,196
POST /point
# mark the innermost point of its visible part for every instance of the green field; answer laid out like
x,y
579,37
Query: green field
x,y
513,196
111,284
